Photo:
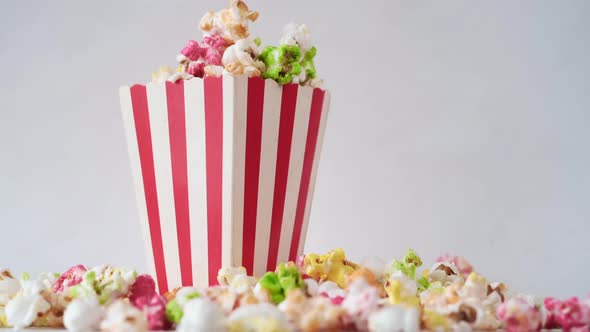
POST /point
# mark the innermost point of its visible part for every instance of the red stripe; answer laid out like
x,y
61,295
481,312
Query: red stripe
x,y
146,157
177,131
252,168
310,146
214,155
288,105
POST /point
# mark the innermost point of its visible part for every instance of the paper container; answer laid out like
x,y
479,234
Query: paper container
x,y
224,171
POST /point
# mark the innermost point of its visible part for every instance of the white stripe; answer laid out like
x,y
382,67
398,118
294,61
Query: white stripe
x,y
133,147
227,168
240,108
197,179
314,170
266,183
158,113
301,122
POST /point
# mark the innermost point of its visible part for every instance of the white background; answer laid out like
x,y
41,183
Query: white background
x,y
456,126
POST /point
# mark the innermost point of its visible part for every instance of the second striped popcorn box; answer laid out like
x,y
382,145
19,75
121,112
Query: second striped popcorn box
x,y
224,171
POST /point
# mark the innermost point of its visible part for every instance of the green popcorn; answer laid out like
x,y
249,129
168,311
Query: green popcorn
x,y
174,311
289,277
409,264
270,282
87,287
175,308
281,282
106,284
282,62
423,284
308,64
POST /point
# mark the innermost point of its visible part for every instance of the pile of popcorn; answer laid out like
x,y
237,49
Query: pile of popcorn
x,y
317,293
227,47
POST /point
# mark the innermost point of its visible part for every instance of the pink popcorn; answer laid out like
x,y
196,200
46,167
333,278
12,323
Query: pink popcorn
x,y
196,68
216,42
569,315
144,286
73,276
143,295
518,315
360,302
154,308
210,50
193,51
460,263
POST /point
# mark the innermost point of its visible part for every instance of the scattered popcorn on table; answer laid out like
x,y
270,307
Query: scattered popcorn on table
x,y
320,292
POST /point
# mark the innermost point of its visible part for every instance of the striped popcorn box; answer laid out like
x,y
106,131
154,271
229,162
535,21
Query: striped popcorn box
x,y
224,171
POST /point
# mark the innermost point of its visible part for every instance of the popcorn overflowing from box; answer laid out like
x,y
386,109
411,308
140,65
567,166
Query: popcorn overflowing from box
x,y
224,150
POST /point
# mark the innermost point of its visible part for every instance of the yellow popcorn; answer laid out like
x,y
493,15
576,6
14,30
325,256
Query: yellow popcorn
x,y
398,294
434,321
162,74
332,266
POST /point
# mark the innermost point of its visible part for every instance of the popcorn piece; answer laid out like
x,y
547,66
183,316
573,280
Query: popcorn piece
x,y
214,71
296,34
106,282
401,289
311,287
162,75
155,309
376,265
24,308
83,315
194,57
282,63
434,321
518,315
175,307
465,268
280,283
223,296
229,23
476,287
312,314
143,295
441,274
240,59
568,314
368,276
9,286
236,278
437,298
122,316
395,318
144,286
332,266
180,76
361,301
73,276
202,315
53,317
408,265
331,290
259,317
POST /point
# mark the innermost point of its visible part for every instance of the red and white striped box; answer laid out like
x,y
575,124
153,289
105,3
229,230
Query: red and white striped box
x,y
224,171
